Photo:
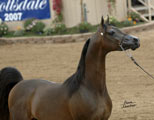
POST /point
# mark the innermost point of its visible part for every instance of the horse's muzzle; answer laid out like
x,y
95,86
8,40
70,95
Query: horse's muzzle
x,y
130,42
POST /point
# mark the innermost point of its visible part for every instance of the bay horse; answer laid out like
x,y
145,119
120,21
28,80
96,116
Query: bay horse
x,y
83,96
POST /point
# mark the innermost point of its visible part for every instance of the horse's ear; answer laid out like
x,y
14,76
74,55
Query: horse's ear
x,y
108,20
102,21
103,24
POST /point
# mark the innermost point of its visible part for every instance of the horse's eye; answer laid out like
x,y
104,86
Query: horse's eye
x,y
111,32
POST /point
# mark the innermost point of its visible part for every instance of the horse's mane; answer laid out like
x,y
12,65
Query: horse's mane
x,y
73,83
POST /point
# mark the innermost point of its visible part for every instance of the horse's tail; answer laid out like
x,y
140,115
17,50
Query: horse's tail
x,y
9,77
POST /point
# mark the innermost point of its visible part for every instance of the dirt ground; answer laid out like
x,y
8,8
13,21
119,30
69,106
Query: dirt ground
x,y
125,81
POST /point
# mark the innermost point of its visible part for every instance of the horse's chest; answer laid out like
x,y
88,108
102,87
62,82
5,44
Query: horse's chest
x,y
88,106
103,109
98,111
100,108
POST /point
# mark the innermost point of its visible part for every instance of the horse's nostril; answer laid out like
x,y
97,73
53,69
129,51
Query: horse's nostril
x,y
135,39
136,44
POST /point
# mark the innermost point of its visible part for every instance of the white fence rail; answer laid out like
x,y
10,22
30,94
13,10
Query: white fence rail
x,y
146,10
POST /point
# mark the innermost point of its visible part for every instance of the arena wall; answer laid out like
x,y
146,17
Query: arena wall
x,y
72,12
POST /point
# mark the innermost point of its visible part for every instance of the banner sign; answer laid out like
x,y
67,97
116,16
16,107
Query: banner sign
x,y
17,10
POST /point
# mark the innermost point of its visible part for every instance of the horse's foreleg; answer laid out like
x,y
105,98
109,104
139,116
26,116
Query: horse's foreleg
x,y
105,118
19,114
19,117
16,116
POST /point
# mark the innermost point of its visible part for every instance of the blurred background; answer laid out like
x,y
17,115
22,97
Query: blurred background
x,y
51,17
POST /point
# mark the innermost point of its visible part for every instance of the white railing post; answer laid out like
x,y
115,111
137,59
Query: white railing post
x,y
142,17
149,10
129,5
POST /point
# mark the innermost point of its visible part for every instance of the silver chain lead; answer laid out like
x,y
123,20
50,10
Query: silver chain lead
x,y
134,61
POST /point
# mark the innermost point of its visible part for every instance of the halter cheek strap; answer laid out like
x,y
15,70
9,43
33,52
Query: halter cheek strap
x,y
120,43
105,28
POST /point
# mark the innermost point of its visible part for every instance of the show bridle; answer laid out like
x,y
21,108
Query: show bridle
x,y
131,57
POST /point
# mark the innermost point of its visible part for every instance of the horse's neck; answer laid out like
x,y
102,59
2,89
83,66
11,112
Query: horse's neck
x,y
95,68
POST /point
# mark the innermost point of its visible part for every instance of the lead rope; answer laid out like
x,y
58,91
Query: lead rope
x,y
134,61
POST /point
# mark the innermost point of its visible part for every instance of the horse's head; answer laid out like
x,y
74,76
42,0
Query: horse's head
x,y
112,38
